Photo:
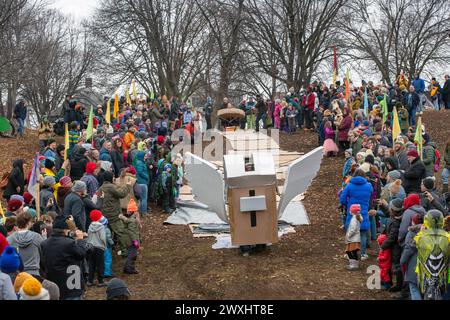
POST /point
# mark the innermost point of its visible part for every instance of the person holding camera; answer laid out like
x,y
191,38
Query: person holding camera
x,y
64,253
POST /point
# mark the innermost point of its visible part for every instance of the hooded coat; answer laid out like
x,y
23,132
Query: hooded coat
x,y
78,164
97,235
412,178
28,244
409,255
74,206
141,168
16,179
407,219
358,191
63,258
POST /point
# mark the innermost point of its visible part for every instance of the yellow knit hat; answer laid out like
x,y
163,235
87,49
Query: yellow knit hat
x,y
32,287
132,207
20,279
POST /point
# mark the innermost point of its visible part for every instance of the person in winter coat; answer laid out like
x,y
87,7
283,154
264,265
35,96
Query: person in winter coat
x,y
392,230
111,208
344,129
65,188
45,133
412,178
412,103
142,176
429,157
348,163
385,263
358,191
6,288
117,156
20,113
108,250
74,205
412,207
28,244
409,257
90,179
78,164
47,197
97,238
429,198
105,152
16,180
64,256
402,155
353,237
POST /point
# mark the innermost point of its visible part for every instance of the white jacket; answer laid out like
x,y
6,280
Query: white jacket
x,y
353,234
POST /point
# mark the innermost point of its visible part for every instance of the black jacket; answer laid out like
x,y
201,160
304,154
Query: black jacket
x,y
63,258
78,164
118,162
412,178
392,231
16,179
74,206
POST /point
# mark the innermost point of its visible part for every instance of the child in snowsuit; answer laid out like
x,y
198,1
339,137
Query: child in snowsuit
x,y
353,237
96,260
108,251
167,189
131,221
385,263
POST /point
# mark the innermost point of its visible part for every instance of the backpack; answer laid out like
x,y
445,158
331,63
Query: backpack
x,y
4,180
437,162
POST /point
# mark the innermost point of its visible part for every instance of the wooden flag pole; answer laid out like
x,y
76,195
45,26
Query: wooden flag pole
x,y
38,201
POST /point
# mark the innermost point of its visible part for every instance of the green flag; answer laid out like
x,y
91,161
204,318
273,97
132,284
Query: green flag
x,y
152,95
90,128
418,139
385,109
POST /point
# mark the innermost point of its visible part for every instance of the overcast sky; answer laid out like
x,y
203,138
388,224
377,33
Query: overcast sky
x,y
80,9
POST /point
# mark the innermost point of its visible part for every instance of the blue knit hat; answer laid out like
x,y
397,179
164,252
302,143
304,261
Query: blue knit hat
x,y
10,260
103,220
367,132
167,166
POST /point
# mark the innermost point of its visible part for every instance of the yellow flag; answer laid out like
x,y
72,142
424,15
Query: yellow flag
x,y
127,96
116,106
2,213
418,139
396,126
133,87
108,112
66,141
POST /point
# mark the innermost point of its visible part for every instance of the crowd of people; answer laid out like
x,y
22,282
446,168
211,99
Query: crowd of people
x,y
96,188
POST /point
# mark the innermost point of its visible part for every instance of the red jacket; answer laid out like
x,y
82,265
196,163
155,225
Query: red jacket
x,y
3,243
310,101
384,260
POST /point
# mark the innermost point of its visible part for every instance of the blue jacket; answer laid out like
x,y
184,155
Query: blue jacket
x,y
358,191
347,167
105,155
419,85
411,100
141,168
50,154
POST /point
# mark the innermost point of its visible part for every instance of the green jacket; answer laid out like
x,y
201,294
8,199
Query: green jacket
x,y
111,203
403,117
429,157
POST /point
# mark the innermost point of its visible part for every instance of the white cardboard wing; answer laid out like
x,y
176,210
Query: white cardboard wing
x,y
207,184
299,176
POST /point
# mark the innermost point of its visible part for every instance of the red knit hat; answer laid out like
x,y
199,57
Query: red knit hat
x,y
355,208
413,153
14,205
95,215
160,140
132,170
27,197
411,200
65,181
90,167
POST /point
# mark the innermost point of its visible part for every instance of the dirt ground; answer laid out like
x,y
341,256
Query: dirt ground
x,y
306,265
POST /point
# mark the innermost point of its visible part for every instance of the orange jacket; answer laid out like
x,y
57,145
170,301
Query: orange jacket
x,y
128,140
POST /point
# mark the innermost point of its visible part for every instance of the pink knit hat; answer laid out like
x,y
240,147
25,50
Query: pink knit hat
x,y
65,181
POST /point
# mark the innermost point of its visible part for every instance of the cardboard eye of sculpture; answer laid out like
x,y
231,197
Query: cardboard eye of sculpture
x,y
249,187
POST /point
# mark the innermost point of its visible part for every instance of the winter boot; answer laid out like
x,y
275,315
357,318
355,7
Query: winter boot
x,y
129,267
353,265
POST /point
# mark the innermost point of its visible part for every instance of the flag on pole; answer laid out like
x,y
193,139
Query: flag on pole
x,y
133,87
33,185
385,108
347,86
90,128
335,69
418,139
2,213
66,141
366,103
152,95
127,96
396,126
108,112
116,106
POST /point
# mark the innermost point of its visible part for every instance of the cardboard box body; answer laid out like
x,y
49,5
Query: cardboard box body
x,y
265,229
